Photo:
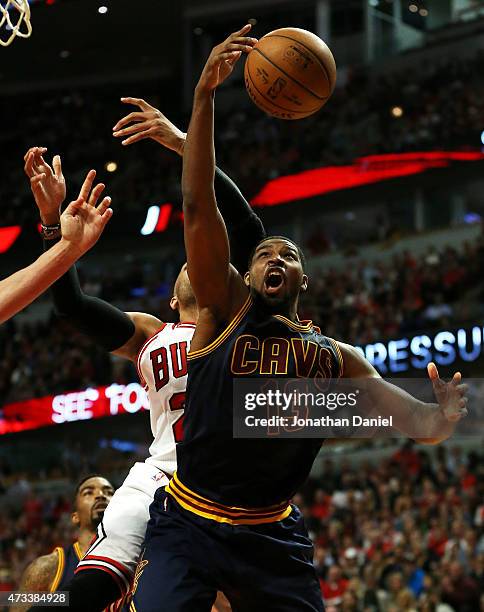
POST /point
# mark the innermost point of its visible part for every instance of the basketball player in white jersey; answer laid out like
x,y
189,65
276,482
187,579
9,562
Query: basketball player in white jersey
x,y
160,353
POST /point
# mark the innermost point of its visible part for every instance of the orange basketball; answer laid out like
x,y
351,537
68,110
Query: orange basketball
x,y
290,73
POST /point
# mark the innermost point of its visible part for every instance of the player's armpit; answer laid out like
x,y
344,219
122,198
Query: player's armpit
x,y
38,576
145,326
354,364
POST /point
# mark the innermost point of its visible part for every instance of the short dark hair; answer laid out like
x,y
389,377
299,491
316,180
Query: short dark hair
x,y
299,250
80,483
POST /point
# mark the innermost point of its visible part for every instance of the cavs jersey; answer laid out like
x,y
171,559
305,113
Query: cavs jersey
x,y
162,368
67,560
247,473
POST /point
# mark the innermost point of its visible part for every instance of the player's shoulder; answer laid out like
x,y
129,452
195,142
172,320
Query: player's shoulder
x,y
165,334
355,363
41,572
146,323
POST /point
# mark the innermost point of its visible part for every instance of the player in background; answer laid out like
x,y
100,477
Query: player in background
x,y
81,227
52,572
230,498
160,352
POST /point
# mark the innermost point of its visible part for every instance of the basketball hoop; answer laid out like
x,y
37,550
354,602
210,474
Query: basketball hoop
x,y
14,20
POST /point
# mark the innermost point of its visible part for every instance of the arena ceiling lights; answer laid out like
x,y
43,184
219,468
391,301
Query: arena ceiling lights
x,y
364,171
308,184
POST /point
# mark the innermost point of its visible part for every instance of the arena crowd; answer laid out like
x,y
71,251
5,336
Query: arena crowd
x,y
402,533
441,102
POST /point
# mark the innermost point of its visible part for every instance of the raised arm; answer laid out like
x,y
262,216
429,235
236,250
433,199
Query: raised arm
x,y
81,226
116,331
245,229
216,285
426,423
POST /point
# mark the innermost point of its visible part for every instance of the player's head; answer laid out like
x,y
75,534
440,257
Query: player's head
x,y
183,296
91,498
276,271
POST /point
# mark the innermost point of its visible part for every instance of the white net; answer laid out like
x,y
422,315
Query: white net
x,y
14,20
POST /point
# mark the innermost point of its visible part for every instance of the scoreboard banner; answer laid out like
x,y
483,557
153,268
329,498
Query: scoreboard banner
x,y
91,403
413,353
403,354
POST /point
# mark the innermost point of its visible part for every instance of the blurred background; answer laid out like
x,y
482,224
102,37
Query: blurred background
x,y
383,190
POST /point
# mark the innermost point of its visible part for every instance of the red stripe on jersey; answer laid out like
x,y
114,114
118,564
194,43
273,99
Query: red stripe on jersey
x,y
119,566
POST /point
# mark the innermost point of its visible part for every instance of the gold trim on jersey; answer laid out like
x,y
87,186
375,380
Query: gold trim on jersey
x,y
132,608
340,356
234,515
224,335
77,549
61,562
306,327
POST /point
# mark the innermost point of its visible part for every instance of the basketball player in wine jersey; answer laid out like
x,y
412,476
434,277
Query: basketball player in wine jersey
x,y
231,498
52,572
159,351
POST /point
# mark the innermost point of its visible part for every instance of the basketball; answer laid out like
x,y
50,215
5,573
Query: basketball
x,y
290,73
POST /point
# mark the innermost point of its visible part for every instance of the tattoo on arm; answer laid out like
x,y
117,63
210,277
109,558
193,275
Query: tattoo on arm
x,y
38,576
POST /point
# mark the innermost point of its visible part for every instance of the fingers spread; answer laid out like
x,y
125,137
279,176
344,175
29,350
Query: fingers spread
x,y
239,47
87,185
132,129
29,165
108,213
102,208
57,165
235,58
432,371
456,378
137,137
96,192
137,116
242,32
137,102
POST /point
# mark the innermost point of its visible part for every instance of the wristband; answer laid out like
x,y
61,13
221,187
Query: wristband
x,y
49,232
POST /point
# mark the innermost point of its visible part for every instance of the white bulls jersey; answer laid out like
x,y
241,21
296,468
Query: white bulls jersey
x,y
162,368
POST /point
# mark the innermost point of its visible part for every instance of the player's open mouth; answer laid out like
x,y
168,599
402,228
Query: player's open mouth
x,y
273,281
100,507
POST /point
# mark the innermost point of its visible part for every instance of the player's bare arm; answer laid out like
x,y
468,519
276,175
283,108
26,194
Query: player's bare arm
x,y
37,577
436,421
145,326
218,288
49,190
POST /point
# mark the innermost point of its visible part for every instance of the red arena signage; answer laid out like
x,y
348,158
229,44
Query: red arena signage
x,y
91,403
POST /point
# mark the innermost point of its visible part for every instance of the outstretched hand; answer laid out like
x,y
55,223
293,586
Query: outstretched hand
x,y
222,59
84,220
451,396
148,122
47,183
